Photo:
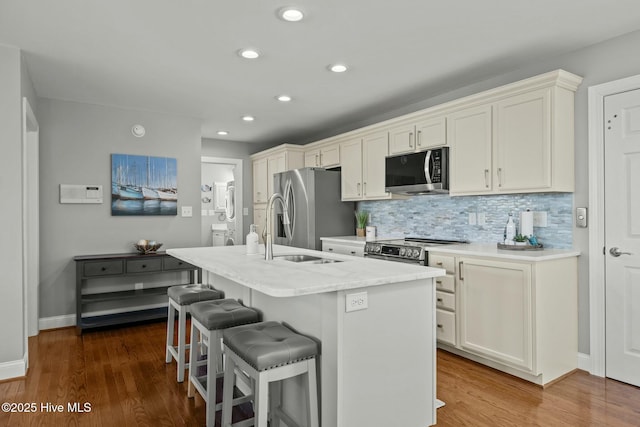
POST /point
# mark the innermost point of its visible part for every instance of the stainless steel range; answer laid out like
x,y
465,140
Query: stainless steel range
x,y
414,250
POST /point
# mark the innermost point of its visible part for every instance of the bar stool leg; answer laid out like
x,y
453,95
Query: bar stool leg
x,y
212,376
275,401
171,320
260,403
227,391
312,394
194,352
182,326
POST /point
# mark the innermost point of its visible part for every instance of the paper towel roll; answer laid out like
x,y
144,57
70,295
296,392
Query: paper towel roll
x,y
371,233
526,223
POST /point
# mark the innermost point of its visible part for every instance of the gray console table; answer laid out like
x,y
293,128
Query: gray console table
x,y
118,265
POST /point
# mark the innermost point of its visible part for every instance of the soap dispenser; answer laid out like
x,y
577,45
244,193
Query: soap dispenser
x,y
252,240
509,230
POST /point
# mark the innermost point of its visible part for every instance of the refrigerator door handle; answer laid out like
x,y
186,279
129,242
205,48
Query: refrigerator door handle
x,y
289,210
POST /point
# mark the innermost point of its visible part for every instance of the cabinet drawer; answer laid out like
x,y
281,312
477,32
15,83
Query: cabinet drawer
x,y
171,263
443,261
343,249
102,268
445,301
446,327
446,283
144,265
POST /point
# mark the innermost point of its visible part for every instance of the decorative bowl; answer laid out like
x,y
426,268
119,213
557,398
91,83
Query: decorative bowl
x,y
147,246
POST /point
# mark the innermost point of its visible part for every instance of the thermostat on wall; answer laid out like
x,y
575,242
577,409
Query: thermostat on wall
x,y
80,193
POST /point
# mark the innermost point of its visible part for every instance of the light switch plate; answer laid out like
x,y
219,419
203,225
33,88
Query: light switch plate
x,y
482,218
187,211
472,218
581,217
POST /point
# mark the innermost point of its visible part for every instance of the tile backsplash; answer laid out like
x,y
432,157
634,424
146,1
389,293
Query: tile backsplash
x,y
446,217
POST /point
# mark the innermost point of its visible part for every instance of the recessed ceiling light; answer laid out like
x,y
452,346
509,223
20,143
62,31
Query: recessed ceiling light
x,y
338,68
223,132
249,53
248,118
291,14
284,98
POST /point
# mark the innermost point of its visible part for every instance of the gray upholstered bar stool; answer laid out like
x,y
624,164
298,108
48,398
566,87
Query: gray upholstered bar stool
x,y
268,352
208,319
180,299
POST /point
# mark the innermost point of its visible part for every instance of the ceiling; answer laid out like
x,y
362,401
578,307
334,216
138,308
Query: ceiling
x,y
181,57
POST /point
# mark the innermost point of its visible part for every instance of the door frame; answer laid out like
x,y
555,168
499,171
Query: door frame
x,y
597,259
30,269
239,196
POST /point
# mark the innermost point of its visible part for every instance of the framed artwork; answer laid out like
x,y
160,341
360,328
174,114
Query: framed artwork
x,y
143,185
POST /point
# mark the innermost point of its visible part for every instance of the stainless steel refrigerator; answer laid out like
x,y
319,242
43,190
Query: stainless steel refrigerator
x,y
315,210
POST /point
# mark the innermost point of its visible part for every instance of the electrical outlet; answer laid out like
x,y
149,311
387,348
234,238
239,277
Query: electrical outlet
x,y
138,286
540,219
358,301
472,218
245,211
482,218
187,211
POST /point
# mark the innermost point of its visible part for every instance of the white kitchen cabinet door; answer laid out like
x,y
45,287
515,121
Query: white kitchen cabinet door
x,y
375,148
402,139
351,178
260,183
275,164
523,142
330,156
312,159
431,133
260,220
469,134
495,311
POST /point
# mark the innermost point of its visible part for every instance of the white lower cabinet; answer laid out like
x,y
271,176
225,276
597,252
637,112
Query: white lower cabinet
x,y
520,317
344,247
496,312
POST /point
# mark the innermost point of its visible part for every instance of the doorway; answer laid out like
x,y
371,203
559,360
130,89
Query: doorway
x,y
30,221
221,201
614,235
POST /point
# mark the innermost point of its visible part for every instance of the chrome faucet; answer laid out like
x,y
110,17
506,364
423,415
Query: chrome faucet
x,y
268,240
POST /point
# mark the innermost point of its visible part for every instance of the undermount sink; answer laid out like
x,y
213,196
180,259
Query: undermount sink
x,y
306,258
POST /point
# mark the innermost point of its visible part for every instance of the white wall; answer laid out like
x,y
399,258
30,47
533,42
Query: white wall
x,y
76,143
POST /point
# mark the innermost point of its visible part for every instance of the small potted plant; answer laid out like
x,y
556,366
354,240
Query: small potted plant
x,y
521,240
362,218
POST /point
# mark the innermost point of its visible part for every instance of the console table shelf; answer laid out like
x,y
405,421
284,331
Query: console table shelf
x,y
107,266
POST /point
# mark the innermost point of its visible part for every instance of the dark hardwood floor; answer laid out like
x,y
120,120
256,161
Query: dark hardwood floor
x,y
121,373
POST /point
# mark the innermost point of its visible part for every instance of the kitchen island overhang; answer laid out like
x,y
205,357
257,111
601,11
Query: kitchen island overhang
x,y
377,365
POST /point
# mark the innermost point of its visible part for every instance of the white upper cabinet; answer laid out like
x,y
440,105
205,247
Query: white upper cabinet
x,y
519,142
267,163
418,135
323,157
469,134
362,163
523,142
260,190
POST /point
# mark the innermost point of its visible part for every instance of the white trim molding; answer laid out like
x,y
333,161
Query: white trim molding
x,y
14,368
584,362
596,227
57,321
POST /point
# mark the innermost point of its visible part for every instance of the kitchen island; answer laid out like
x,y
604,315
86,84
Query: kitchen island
x,y
374,320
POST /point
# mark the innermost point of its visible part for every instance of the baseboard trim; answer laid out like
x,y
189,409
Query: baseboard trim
x,y
56,322
13,369
584,362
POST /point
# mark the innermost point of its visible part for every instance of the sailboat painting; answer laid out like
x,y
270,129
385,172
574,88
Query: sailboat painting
x,y
143,185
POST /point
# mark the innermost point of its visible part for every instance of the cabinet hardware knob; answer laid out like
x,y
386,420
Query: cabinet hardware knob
x,y
330,249
419,138
486,178
460,271
410,139
499,177
144,266
103,269
439,300
439,263
353,252
440,326
439,282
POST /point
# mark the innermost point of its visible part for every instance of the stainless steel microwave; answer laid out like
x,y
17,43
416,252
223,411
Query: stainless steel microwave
x,y
418,173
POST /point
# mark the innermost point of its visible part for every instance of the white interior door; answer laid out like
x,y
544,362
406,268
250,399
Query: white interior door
x,y
30,227
622,240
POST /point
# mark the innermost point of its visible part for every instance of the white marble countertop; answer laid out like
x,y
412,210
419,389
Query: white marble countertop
x,y
491,250
281,278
